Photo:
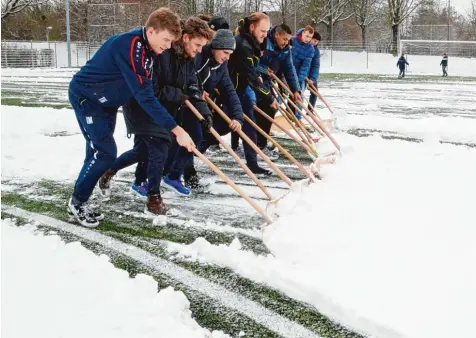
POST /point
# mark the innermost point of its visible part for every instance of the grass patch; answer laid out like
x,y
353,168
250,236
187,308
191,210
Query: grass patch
x,y
21,103
206,311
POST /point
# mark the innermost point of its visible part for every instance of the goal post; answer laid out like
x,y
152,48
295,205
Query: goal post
x,y
465,49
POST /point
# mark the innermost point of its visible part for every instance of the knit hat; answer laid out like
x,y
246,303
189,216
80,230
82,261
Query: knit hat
x,y
224,39
218,22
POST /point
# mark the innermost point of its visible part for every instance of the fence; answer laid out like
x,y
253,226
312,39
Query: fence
x,y
339,55
27,54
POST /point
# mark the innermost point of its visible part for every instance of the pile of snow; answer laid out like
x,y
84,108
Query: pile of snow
x,y
386,243
53,289
385,64
49,146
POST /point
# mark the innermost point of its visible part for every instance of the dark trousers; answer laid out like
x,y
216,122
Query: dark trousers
x,y
263,123
313,98
445,70
179,157
150,154
402,72
97,125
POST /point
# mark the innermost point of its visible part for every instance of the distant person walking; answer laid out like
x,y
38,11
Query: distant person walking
x,y
402,63
444,65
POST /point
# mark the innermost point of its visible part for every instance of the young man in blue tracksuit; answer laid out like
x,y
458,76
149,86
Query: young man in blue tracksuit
x,y
212,70
118,71
277,57
244,73
315,65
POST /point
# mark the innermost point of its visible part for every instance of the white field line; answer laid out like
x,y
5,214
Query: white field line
x,y
269,319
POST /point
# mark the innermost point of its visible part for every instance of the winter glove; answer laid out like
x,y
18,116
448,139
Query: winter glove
x,y
207,123
193,93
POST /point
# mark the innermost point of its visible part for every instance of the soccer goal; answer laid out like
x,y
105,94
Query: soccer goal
x,y
465,49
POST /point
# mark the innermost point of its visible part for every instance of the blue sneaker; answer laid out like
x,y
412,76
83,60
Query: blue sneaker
x,y
177,186
142,189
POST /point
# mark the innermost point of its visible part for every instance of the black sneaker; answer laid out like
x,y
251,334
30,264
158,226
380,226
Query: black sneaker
x,y
256,169
83,215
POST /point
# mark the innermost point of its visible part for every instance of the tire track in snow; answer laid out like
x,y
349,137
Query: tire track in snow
x,y
269,319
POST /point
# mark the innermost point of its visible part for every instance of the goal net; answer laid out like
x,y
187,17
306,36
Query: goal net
x,y
465,49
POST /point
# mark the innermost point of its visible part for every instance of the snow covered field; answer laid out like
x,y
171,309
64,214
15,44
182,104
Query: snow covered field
x,y
383,246
74,285
378,63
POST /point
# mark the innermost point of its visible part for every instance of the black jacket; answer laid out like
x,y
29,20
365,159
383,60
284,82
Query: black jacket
x,y
243,63
174,78
216,81
444,61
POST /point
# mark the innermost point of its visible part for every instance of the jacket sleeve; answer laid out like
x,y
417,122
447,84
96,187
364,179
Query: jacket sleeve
x,y
250,62
165,93
195,90
315,66
129,58
305,68
229,91
290,73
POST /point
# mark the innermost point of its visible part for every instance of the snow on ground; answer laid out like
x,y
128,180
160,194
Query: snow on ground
x,y
385,243
378,63
35,150
65,290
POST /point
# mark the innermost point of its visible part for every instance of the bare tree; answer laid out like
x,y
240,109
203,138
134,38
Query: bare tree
x,y
471,16
283,7
365,13
334,11
10,7
398,11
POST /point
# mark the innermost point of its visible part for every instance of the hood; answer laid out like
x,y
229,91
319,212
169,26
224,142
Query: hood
x,y
244,31
272,44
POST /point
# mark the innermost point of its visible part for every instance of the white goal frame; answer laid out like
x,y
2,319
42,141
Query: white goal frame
x,y
402,43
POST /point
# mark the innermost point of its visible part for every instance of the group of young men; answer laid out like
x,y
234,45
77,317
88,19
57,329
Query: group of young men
x,y
154,71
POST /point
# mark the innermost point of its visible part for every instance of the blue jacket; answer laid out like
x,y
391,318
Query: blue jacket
x,y
402,62
315,65
303,54
174,77
215,76
121,70
278,59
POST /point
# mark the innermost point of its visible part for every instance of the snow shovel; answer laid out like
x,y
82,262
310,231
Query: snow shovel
x,y
314,90
313,125
329,136
281,149
310,151
231,152
251,143
241,163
